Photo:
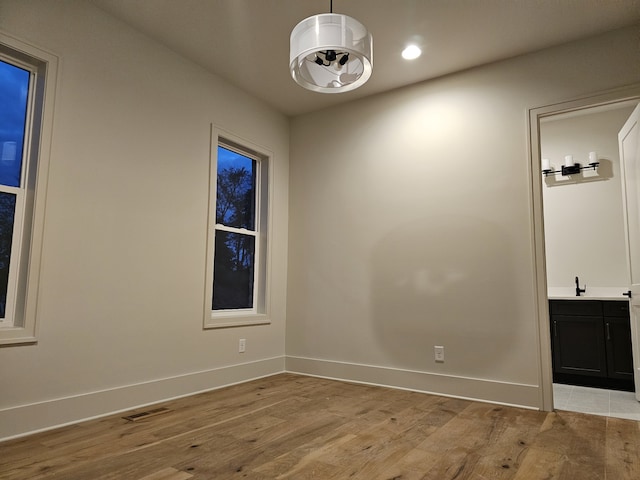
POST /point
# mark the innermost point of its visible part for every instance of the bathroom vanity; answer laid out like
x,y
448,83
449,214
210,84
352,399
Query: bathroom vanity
x,y
591,343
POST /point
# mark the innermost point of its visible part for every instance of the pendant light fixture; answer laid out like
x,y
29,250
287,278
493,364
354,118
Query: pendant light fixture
x,y
330,53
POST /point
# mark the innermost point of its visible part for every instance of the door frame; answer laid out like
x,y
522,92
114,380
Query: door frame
x,y
623,94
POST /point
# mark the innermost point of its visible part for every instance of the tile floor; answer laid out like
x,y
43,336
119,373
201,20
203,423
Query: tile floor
x,y
611,403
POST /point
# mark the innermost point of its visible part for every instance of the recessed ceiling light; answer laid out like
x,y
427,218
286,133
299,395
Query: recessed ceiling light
x,y
411,52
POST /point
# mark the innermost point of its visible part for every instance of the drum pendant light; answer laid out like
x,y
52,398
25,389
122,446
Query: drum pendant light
x,y
330,53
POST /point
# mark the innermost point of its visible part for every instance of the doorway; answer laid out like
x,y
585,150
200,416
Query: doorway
x,y
556,257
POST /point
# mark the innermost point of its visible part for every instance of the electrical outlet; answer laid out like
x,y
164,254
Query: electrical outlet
x,y
438,353
242,345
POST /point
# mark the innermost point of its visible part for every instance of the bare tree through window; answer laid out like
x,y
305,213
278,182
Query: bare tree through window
x,y
235,236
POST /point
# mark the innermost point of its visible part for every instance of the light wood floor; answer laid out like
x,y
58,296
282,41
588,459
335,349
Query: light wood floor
x,y
296,427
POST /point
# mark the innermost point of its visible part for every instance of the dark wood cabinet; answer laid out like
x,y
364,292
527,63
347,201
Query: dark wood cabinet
x,y
578,337
591,343
618,338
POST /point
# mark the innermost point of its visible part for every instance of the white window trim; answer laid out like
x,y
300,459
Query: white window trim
x,y
260,314
30,230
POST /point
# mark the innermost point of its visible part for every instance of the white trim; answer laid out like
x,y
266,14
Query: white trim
x,y
22,420
476,389
241,231
36,417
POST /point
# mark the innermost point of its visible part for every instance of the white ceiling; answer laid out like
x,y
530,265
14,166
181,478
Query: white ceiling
x,y
247,41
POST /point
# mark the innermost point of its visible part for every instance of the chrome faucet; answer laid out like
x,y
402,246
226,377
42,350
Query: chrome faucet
x,y
578,289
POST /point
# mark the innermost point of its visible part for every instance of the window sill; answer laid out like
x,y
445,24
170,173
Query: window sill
x,y
227,321
16,336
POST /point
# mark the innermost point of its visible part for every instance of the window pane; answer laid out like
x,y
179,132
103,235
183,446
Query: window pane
x,y
14,88
233,271
7,213
236,190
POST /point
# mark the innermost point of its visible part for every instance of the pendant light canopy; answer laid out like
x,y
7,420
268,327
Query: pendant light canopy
x,y
330,53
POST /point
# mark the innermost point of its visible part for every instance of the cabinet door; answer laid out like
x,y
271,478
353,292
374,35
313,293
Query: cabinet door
x,y
579,345
619,356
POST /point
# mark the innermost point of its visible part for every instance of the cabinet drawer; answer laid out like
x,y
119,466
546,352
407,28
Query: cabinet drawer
x,y
615,308
576,307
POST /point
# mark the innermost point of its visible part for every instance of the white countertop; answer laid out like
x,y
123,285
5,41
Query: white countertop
x,y
592,293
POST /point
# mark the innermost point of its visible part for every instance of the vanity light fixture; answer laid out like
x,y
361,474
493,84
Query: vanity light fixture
x,y
330,53
570,167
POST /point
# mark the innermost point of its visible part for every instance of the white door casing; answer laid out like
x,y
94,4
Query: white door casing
x,y
629,145
629,93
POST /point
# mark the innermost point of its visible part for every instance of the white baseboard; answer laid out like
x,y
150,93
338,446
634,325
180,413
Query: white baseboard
x,y
503,393
27,419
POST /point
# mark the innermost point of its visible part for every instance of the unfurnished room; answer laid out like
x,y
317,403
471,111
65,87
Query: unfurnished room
x,y
329,239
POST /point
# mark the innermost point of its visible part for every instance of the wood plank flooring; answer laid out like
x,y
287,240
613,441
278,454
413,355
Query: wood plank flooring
x,y
296,427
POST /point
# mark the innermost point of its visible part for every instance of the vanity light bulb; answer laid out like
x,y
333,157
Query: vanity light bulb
x,y
593,157
568,161
546,164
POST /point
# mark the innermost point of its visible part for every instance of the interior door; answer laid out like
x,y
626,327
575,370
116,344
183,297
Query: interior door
x,y
629,144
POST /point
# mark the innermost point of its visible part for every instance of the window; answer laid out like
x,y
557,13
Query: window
x,y
14,98
25,124
236,286
236,231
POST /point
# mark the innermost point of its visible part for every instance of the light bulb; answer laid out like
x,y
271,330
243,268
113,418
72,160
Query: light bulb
x,y
546,165
411,52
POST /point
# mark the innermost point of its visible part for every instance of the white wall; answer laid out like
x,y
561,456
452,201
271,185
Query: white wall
x,y
584,230
412,227
120,307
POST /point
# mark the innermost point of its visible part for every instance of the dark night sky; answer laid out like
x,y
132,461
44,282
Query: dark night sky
x,y
14,87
